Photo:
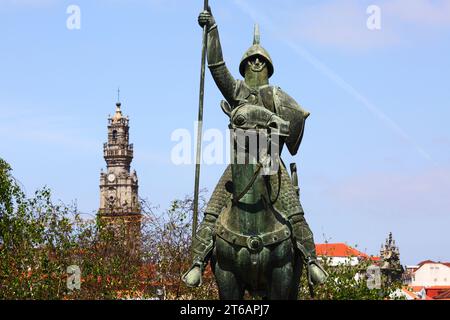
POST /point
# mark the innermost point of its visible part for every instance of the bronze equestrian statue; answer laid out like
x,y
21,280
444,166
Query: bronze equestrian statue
x,y
254,230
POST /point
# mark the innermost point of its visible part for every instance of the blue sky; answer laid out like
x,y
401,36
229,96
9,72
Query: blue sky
x,y
375,156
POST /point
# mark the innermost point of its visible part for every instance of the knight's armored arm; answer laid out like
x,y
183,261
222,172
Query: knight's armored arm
x,y
222,76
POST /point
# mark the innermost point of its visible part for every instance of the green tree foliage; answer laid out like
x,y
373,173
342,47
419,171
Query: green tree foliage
x,y
40,239
33,235
348,282
167,241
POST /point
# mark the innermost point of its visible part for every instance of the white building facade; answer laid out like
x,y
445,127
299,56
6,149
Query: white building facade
x,y
429,274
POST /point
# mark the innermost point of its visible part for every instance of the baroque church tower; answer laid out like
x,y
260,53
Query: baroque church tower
x,y
119,200
390,260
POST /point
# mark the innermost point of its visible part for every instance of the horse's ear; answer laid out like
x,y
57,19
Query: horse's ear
x,y
225,107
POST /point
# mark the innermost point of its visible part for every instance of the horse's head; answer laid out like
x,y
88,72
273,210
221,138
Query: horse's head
x,y
248,117
256,133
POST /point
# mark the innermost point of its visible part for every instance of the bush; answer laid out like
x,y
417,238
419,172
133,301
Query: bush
x,y
40,239
348,282
167,241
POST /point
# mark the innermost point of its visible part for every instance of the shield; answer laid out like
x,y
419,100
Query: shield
x,y
289,110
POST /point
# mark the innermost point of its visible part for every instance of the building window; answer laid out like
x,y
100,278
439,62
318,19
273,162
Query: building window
x,y
114,134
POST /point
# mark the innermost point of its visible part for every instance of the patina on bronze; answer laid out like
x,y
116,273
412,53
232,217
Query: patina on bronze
x,y
254,231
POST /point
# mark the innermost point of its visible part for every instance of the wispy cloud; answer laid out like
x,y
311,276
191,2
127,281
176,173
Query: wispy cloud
x,y
384,193
342,24
49,137
442,141
423,13
336,78
27,3
35,126
32,4
153,157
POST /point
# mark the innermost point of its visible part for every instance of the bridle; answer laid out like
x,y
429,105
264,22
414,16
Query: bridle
x,y
259,166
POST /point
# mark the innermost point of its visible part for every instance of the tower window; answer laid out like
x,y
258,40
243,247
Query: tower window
x,y
114,134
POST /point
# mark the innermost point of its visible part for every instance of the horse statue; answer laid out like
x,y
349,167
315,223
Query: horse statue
x,y
254,231
254,250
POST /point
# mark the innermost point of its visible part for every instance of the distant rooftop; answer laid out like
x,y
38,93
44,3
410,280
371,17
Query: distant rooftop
x,y
431,261
340,250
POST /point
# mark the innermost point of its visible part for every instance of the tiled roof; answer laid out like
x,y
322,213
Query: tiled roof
x,y
431,261
425,262
438,287
432,292
444,295
421,264
339,250
411,294
416,288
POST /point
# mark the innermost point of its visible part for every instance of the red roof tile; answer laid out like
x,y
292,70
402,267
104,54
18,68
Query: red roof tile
x,y
416,288
443,296
340,250
410,294
439,287
425,262
431,261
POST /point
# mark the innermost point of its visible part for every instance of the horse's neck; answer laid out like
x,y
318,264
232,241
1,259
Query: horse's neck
x,y
251,214
242,175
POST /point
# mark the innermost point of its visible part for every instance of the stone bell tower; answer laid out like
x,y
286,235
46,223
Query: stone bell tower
x,y
390,260
119,200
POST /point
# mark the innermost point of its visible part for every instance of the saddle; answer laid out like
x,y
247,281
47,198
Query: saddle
x,y
254,243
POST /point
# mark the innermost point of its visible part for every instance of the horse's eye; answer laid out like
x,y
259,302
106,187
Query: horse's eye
x,y
240,120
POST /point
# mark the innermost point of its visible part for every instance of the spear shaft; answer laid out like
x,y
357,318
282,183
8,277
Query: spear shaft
x,y
200,126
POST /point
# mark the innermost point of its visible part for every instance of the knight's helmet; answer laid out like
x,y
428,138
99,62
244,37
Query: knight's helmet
x,y
256,50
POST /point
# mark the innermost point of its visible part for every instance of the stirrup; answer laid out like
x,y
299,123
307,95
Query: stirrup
x,y
312,281
194,265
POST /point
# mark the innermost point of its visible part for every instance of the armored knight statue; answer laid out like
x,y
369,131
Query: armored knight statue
x,y
256,67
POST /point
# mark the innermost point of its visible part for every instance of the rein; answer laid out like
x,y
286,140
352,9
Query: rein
x,y
252,181
249,185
